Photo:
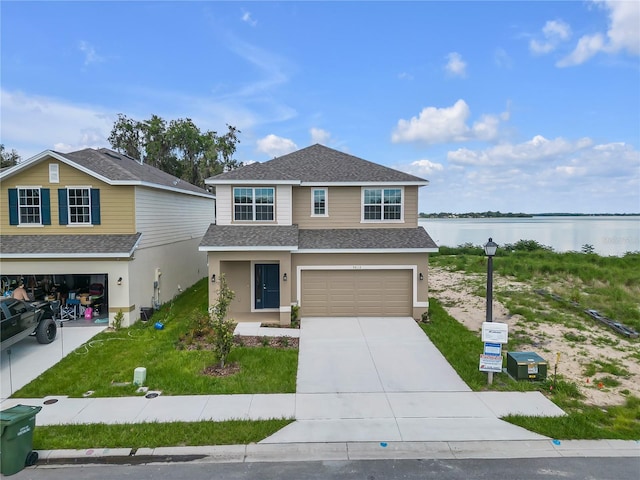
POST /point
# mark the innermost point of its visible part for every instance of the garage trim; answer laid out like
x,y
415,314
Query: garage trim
x,y
413,268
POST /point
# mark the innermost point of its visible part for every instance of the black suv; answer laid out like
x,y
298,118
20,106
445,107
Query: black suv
x,y
20,319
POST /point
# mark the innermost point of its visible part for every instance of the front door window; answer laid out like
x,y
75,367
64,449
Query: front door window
x,y
267,286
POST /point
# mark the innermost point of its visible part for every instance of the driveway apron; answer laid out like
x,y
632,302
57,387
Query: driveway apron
x,y
368,355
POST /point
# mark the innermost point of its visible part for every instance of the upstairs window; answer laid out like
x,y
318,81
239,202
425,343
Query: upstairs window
x,y
79,201
29,206
319,202
79,206
380,204
253,204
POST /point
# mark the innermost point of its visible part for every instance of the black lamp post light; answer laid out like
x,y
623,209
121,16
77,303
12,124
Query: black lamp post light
x,y
490,250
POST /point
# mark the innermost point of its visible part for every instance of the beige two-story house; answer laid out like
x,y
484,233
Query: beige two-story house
x,y
98,217
330,232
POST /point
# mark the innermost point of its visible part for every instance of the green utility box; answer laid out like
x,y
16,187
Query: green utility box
x,y
16,440
526,366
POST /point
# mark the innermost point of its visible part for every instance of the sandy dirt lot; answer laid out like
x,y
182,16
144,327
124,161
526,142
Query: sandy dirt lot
x,y
455,291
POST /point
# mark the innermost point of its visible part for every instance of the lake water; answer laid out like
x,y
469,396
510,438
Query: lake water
x,y
608,235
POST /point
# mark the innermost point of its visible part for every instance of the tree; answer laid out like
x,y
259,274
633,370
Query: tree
x,y
8,159
178,147
222,326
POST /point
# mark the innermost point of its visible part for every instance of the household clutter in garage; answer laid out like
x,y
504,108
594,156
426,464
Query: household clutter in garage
x,y
76,299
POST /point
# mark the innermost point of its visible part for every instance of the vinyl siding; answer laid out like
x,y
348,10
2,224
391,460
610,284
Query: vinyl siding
x,y
116,202
224,199
167,217
344,206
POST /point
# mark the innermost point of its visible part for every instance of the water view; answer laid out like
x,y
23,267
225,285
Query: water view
x,y
610,235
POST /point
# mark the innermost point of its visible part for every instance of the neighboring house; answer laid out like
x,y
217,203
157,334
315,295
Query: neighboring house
x,y
100,217
330,232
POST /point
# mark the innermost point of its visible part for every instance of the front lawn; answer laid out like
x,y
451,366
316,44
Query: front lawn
x,y
105,365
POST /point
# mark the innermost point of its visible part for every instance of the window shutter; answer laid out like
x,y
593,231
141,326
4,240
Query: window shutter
x,y
63,209
45,206
95,206
13,206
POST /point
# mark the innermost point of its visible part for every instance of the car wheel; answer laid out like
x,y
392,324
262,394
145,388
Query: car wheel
x,y
46,331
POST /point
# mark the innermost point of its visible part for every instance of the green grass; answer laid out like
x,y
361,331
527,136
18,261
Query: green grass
x,y
109,359
151,435
462,348
619,422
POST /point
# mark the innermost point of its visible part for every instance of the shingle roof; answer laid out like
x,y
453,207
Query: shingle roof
x,y
118,167
250,236
318,164
365,238
240,237
68,246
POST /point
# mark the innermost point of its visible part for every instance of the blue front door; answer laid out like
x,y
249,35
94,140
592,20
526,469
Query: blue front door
x,y
267,285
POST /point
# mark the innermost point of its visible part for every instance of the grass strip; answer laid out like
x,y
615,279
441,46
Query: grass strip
x,y
152,435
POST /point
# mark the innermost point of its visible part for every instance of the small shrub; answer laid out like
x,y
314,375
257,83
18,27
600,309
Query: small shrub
x,y
284,341
264,340
222,326
295,311
117,320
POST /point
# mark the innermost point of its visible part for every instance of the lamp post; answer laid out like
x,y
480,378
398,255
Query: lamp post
x,y
490,250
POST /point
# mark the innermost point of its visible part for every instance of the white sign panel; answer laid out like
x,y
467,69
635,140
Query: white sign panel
x,y
495,332
491,363
493,349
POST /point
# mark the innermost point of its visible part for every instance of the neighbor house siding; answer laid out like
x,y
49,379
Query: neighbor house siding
x,y
116,202
344,206
166,217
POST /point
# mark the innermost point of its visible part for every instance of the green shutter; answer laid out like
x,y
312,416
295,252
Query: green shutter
x,y
95,206
63,207
13,206
45,206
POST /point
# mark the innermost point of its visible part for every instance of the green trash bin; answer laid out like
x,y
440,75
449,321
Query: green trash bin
x,y
16,440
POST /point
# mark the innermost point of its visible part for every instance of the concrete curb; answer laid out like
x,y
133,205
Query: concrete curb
x,y
344,451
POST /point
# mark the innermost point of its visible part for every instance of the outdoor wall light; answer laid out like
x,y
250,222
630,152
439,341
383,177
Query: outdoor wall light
x,y
421,276
213,278
284,277
120,281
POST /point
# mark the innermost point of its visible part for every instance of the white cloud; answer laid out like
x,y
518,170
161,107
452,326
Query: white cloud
x,y
449,124
554,32
405,76
623,34
31,124
246,17
425,167
90,54
319,135
538,149
502,58
455,65
275,146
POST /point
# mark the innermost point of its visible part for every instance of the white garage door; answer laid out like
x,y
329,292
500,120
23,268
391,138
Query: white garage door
x,y
350,293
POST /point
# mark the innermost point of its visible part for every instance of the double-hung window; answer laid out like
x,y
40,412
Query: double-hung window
x,y
319,202
254,204
79,206
380,204
79,201
29,206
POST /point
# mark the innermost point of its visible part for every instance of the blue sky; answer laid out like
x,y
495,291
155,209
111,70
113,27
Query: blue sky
x,y
510,106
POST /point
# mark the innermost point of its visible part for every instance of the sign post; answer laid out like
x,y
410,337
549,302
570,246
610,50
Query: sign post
x,y
493,335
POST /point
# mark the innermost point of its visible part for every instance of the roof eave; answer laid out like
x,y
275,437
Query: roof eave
x,y
248,248
368,250
251,182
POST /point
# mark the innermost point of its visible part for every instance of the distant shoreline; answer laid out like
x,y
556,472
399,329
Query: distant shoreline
x,y
521,215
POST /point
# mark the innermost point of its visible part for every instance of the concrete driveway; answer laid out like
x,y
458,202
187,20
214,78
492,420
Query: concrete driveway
x,y
367,355
382,379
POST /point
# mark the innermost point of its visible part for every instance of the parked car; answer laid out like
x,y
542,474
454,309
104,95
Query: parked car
x,y
20,319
